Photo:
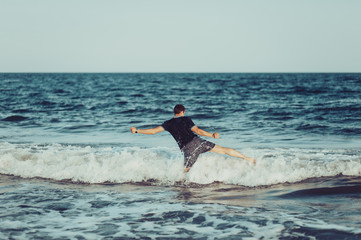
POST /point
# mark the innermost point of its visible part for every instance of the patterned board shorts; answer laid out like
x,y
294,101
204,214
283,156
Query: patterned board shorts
x,y
195,147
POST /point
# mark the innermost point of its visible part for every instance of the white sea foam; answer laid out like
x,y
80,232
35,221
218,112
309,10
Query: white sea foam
x,y
165,165
152,212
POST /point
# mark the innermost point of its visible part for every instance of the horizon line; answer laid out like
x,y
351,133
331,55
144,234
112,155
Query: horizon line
x,y
175,72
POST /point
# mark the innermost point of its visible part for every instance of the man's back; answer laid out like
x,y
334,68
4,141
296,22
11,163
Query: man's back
x,y
180,128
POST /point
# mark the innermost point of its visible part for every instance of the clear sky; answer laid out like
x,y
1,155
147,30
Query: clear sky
x,y
180,36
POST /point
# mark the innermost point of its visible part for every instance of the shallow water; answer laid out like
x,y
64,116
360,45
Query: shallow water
x,y
37,208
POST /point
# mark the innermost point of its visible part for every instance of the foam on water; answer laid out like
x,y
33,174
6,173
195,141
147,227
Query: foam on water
x,y
165,165
67,213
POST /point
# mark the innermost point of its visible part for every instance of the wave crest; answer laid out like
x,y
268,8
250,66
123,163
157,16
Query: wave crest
x,y
87,164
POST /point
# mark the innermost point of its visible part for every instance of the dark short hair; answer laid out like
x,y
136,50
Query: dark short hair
x,y
179,108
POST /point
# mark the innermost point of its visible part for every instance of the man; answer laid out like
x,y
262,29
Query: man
x,y
184,132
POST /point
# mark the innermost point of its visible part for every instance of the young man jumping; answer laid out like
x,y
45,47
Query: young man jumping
x,y
184,132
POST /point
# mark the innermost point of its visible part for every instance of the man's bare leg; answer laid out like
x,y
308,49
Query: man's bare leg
x,y
232,152
228,151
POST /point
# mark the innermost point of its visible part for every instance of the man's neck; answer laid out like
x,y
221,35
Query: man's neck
x,y
178,115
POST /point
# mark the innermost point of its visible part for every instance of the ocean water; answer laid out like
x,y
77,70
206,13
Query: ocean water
x,y
71,169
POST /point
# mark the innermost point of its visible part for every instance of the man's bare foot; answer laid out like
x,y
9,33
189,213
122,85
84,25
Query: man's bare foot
x,y
252,160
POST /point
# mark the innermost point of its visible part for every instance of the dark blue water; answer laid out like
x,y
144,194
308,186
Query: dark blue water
x,y
70,169
255,108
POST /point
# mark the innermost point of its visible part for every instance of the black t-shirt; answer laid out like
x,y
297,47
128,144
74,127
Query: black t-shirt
x,y
180,128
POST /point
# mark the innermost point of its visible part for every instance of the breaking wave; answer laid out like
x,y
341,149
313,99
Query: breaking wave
x,y
92,164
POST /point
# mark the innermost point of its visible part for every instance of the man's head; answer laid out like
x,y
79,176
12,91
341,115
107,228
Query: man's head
x,y
179,108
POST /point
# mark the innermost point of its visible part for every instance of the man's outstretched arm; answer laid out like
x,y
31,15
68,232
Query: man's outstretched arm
x,y
147,131
201,132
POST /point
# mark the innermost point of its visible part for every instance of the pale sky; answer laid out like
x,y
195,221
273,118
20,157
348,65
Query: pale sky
x,y
180,36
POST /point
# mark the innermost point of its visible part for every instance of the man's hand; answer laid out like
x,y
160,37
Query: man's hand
x,y
216,135
133,129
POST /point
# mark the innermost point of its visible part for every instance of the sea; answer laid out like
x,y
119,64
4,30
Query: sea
x,y
71,169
